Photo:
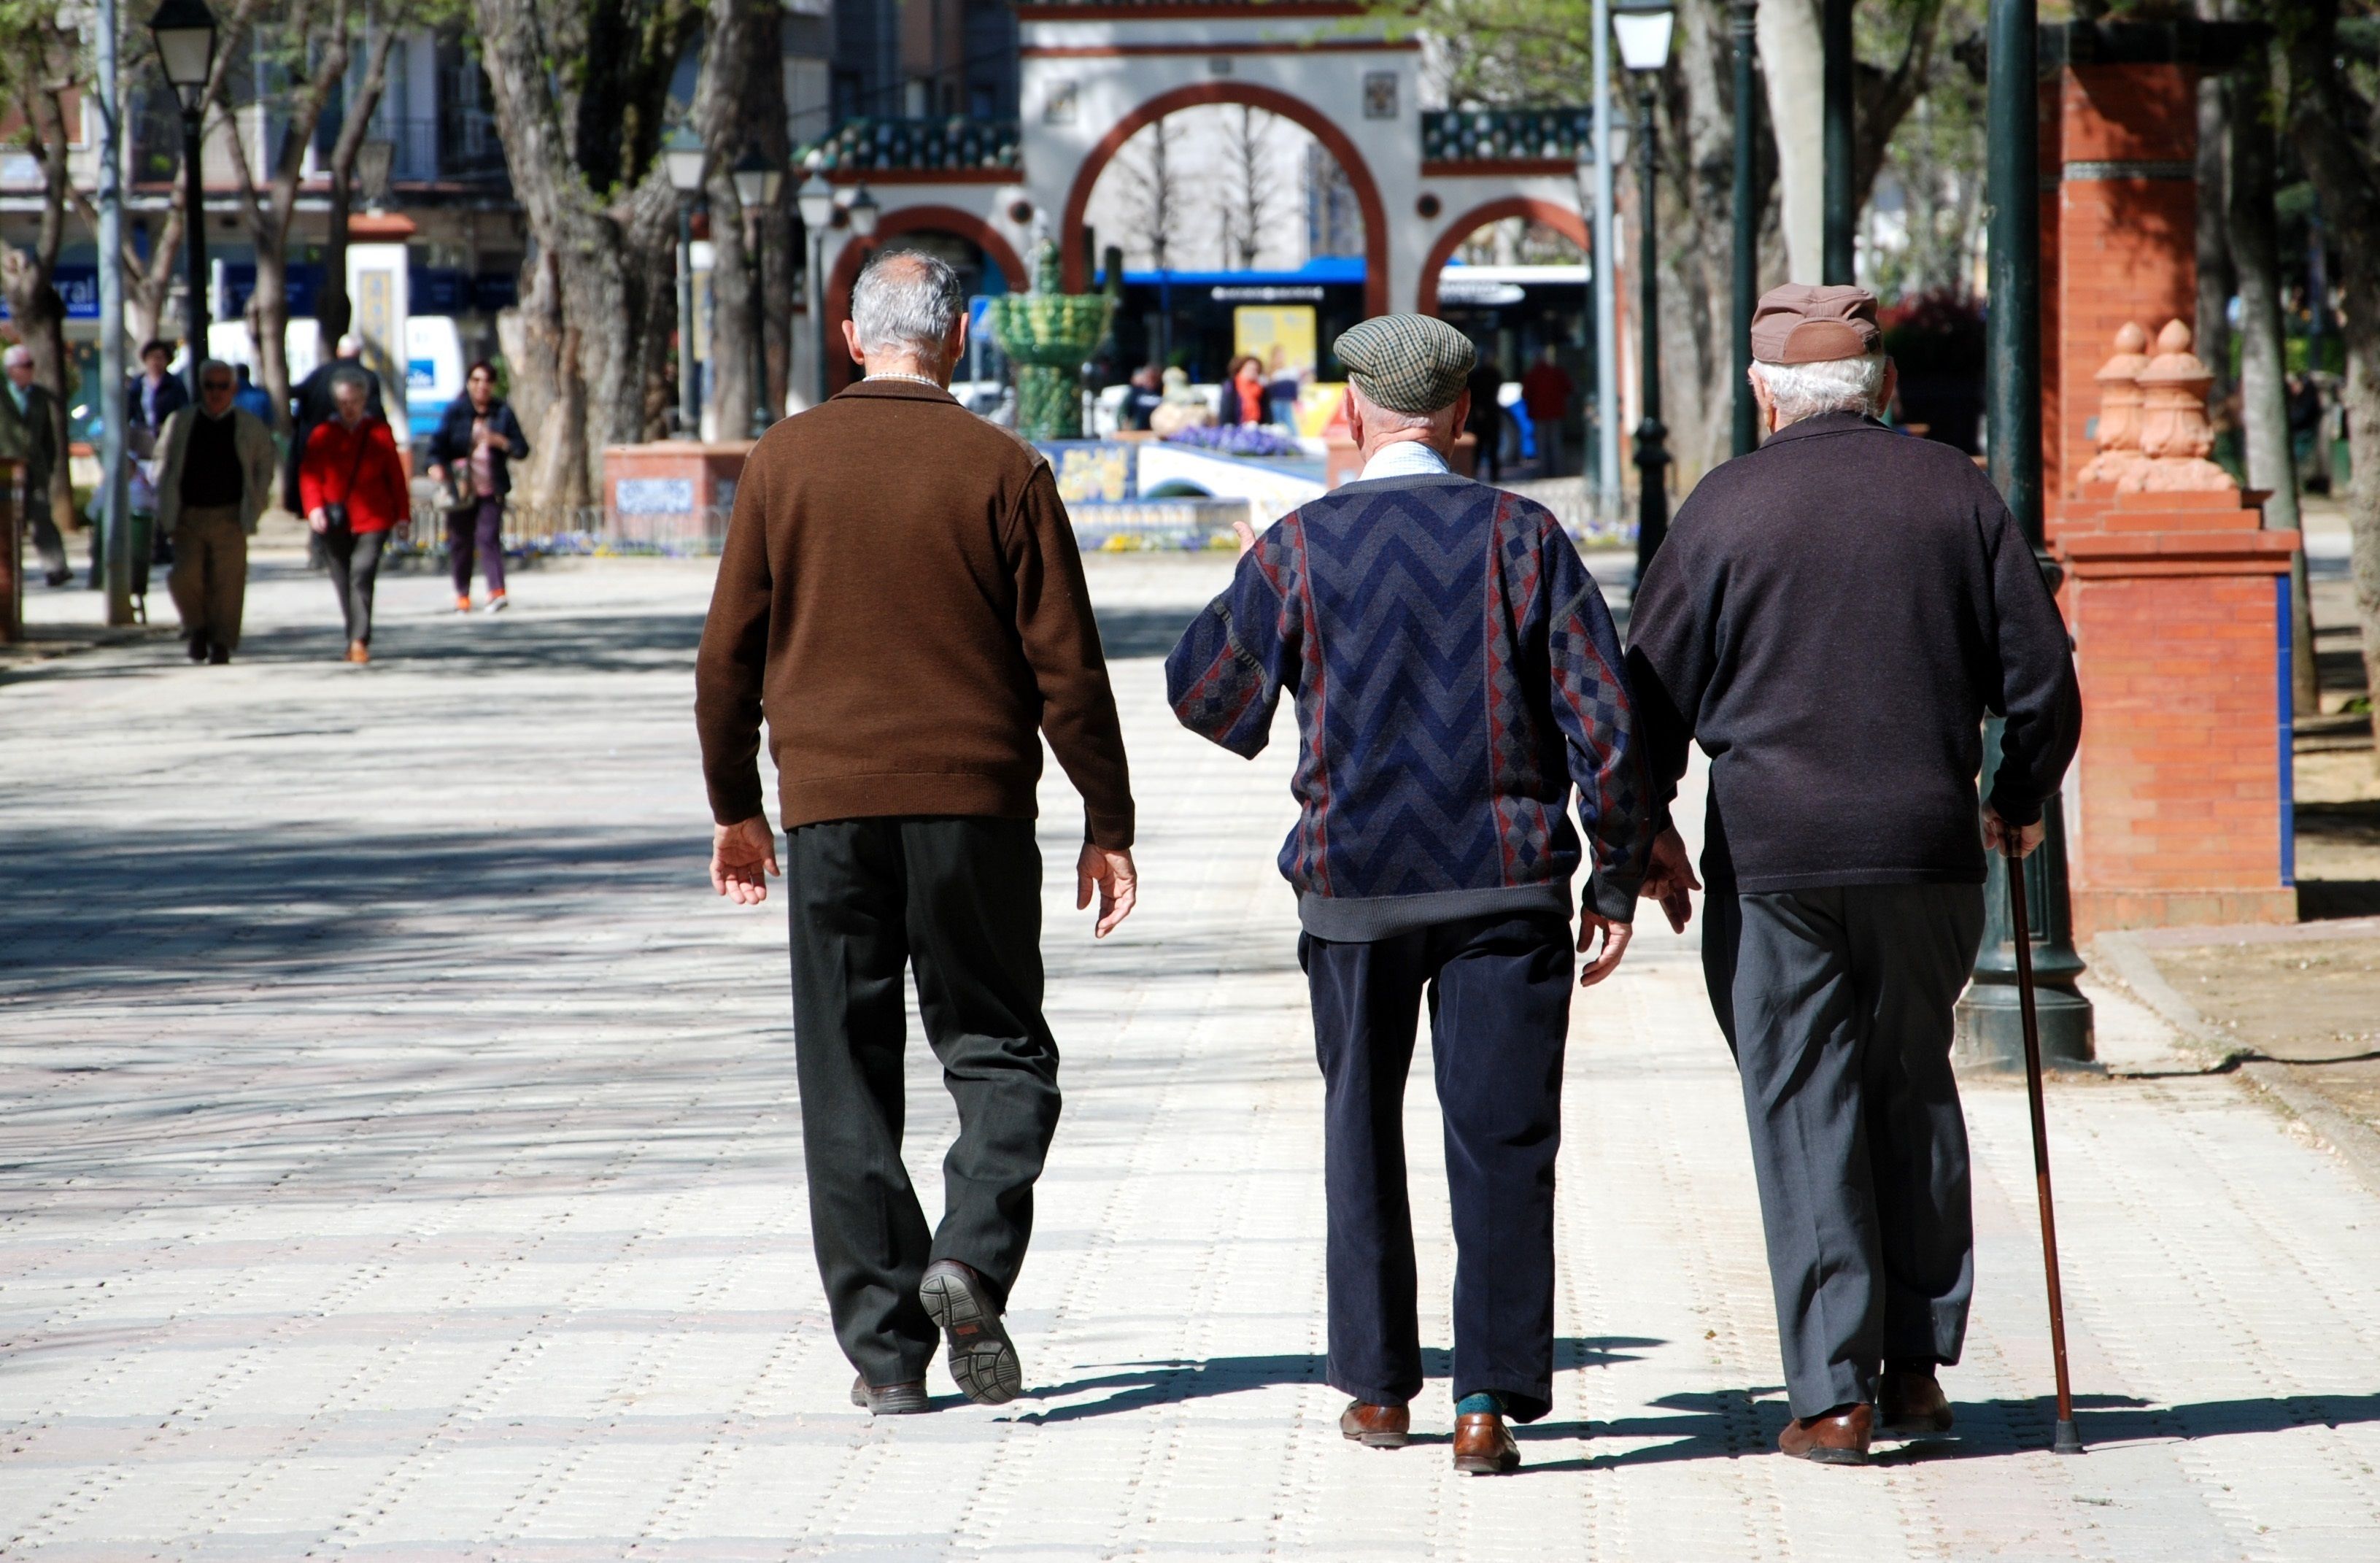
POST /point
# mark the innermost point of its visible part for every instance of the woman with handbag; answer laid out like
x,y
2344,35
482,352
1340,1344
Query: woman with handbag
x,y
355,491
470,460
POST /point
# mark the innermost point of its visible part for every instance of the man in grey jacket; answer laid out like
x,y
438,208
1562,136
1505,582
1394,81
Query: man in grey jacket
x,y
29,433
215,477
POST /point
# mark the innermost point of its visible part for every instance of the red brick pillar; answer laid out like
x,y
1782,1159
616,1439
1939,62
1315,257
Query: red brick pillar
x,y
2124,157
2177,806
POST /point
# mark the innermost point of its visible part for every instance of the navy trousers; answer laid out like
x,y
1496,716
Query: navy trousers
x,y
1499,993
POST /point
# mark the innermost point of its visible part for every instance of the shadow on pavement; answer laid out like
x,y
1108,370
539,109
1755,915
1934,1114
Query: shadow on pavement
x,y
1140,1385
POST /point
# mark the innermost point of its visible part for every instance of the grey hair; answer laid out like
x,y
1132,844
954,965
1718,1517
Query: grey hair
x,y
1801,390
906,301
1388,420
18,353
209,366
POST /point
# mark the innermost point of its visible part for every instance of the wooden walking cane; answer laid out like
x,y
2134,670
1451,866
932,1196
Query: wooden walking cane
x,y
2068,1440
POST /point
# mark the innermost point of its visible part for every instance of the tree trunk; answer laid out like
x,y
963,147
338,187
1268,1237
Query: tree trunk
x,y
545,398
2264,400
1792,60
739,104
2331,124
28,276
2216,279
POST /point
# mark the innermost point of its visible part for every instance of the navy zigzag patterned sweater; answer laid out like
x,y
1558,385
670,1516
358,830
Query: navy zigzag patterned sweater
x,y
1455,670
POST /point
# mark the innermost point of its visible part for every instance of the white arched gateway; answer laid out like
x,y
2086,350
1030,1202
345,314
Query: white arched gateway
x,y
1093,72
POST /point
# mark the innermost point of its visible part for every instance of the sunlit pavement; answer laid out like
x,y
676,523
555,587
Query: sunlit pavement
x,y
399,1158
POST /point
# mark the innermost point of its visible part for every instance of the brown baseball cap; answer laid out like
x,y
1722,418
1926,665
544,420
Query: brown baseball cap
x,y
1812,322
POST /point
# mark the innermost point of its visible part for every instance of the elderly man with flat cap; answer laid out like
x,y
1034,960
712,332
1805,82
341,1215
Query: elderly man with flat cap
x,y
1456,676
1830,618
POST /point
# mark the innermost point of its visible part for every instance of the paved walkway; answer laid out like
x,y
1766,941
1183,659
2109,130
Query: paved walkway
x,y
398,1160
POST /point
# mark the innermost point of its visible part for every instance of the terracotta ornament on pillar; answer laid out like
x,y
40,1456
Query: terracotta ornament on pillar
x,y
2119,429
2175,434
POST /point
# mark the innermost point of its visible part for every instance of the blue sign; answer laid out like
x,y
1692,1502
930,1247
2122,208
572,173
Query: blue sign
x,y
303,283
79,285
437,290
421,376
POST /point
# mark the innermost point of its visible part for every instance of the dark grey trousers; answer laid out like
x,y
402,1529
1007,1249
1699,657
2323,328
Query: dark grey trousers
x,y
1838,1005
958,902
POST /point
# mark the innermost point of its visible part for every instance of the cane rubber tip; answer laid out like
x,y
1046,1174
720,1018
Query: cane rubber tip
x,y
2069,1441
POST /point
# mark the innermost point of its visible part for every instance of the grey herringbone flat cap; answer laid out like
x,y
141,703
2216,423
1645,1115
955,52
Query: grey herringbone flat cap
x,y
1407,363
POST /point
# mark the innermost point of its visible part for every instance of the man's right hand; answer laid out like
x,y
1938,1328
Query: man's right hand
x,y
1118,882
743,855
316,519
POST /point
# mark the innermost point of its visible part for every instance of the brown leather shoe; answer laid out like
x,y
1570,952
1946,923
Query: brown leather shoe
x,y
1911,1403
1484,1445
358,652
1839,1438
1376,1428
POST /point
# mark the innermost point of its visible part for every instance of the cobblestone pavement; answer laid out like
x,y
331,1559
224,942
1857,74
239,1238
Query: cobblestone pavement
x,y
398,1160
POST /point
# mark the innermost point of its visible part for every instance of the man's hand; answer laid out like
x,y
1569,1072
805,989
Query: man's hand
x,y
1248,536
1669,877
316,519
2015,840
1118,882
437,474
743,855
1615,944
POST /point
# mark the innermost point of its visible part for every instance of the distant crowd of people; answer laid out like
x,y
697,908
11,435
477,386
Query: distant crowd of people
x,y
202,475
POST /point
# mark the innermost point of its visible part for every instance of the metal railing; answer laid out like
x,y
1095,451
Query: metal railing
x,y
587,530
870,143
1506,135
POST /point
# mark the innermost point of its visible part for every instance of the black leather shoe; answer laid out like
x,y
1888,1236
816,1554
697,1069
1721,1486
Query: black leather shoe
x,y
218,655
197,650
890,1399
982,1358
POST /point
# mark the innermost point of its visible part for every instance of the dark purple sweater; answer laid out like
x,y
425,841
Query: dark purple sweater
x,y
1831,616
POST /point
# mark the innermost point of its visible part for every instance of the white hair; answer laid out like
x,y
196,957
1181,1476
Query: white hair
x,y
1388,420
1801,390
18,353
349,346
906,301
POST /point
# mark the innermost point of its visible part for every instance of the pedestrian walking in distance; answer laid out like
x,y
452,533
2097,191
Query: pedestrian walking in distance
x,y
29,434
353,486
470,461
899,595
1831,616
215,477
1472,678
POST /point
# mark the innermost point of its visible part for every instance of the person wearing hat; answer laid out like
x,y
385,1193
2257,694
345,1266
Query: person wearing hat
x,y
1831,617
1472,679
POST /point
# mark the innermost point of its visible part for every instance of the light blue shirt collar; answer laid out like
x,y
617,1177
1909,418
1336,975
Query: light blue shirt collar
x,y
1406,458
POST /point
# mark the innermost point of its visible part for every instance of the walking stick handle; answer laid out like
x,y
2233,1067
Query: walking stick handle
x,y
2068,1440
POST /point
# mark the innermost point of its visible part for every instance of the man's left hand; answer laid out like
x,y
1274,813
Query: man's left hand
x,y
1117,880
743,855
1615,944
1669,877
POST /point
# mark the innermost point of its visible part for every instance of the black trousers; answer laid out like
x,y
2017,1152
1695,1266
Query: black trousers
x,y
957,901
355,567
1838,1005
1499,993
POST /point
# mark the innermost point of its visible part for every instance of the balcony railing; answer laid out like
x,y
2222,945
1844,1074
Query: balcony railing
x,y
958,146
1506,135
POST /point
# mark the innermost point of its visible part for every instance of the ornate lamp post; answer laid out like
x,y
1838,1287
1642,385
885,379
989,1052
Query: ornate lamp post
x,y
1642,29
1990,1024
1745,281
687,159
185,33
758,180
816,202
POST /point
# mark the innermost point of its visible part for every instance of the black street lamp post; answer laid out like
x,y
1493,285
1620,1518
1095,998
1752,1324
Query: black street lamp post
x,y
1642,27
816,202
1834,39
185,34
1990,1022
1745,281
687,160
758,180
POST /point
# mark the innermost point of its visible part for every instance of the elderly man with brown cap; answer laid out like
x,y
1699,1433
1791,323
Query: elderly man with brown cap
x,y
1831,617
1456,676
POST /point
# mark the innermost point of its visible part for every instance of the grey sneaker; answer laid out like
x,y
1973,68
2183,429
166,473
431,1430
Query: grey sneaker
x,y
983,1359
890,1399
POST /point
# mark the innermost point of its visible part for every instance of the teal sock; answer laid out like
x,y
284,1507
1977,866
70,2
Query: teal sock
x,y
1479,1404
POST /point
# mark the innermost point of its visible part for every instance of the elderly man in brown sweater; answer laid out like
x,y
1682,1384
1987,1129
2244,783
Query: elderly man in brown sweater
x,y
901,598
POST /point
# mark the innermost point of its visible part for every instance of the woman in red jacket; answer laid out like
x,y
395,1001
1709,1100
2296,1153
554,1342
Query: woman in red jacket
x,y
355,491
